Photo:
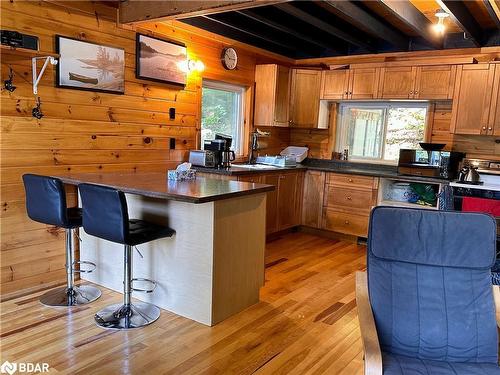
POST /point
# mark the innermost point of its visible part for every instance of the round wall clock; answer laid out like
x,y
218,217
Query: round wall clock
x,y
229,58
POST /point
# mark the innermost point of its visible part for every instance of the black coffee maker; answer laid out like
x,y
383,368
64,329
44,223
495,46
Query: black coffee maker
x,y
221,146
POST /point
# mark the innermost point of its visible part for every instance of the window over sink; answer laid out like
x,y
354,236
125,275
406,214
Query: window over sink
x,y
222,111
376,131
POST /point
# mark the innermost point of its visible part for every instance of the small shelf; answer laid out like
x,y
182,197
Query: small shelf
x,y
405,204
12,54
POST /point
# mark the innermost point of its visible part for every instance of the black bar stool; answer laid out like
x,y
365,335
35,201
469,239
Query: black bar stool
x,y
46,203
105,215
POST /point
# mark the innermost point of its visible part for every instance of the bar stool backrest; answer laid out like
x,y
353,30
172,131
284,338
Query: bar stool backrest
x,y
105,212
46,200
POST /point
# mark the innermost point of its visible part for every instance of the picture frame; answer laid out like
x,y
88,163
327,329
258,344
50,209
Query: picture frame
x,y
159,60
89,66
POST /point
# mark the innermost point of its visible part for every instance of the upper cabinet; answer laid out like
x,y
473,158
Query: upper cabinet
x,y
397,82
472,100
494,117
272,95
345,84
304,98
417,82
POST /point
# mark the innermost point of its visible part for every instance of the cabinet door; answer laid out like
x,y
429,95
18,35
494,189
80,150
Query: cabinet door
x,y
494,118
312,202
282,101
305,92
397,82
435,82
271,202
287,200
335,84
265,100
472,99
363,83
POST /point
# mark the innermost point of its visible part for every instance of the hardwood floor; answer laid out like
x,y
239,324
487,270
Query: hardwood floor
x,y
306,323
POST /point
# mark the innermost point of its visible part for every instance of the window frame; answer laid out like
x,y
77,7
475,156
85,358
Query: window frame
x,y
239,147
341,136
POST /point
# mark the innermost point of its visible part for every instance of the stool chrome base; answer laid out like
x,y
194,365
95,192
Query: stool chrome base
x,y
64,297
119,316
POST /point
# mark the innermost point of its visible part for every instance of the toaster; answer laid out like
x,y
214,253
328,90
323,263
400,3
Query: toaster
x,y
202,158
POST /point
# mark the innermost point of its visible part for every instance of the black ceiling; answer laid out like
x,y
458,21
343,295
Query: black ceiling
x,y
303,29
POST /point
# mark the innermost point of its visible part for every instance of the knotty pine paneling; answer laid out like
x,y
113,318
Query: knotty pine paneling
x,y
84,131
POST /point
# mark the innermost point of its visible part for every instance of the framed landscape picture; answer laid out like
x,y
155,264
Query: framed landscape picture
x,y
90,66
159,60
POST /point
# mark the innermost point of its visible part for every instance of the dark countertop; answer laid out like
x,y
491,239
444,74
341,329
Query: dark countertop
x,y
156,185
337,166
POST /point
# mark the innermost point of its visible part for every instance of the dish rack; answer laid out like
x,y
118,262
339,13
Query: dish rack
x,y
277,161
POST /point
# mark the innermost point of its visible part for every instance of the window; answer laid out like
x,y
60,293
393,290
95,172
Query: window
x,y
222,112
376,131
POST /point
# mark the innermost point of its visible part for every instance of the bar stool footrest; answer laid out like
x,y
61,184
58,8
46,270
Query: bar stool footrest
x,y
151,290
92,265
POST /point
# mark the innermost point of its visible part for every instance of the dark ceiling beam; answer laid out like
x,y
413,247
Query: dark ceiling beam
x,y
255,33
463,18
135,11
363,20
324,26
493,10
278,26
220,29
411,16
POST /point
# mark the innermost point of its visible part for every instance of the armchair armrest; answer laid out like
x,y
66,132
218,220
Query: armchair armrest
x,y
496,296
371,346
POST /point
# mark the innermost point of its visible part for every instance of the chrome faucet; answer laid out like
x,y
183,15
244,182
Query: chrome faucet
x,y
254,146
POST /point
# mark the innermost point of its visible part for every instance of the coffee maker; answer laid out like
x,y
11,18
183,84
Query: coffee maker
x,y
221,147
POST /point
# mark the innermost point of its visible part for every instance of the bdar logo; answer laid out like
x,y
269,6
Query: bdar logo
x,y
8,368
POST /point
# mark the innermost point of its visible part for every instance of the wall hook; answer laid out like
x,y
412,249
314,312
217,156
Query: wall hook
x,y
36,76
37,109
8,83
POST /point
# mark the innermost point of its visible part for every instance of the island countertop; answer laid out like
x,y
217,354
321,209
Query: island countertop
x,y
156,185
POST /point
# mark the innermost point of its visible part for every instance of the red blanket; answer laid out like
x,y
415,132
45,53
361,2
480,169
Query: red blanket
x,y
489,206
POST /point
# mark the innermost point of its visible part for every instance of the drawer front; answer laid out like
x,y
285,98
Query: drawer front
x,y
348,198
351,180
356,225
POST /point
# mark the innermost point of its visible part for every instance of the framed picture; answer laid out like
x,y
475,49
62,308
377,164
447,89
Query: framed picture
x,y
159,60
90,66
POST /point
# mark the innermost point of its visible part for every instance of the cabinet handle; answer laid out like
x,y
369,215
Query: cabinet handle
x,y
484,127
350,180
490,128
346,222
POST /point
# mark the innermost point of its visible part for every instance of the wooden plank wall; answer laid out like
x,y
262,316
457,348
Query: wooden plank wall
x,y
88,131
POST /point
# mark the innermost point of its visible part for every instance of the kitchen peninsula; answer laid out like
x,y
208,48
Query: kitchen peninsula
x,y
213,267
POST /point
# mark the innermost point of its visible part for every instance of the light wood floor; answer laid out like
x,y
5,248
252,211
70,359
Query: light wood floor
x,y
305,324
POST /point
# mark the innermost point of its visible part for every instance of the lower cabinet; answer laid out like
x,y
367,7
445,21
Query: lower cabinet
x,y
285,202
347,202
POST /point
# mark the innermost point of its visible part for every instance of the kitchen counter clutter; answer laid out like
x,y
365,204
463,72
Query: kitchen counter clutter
x,y
213,267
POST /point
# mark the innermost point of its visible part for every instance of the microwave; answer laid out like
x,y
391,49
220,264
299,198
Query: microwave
x,y
435,164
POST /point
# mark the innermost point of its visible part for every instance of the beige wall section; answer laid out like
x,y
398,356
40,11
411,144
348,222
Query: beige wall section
x,y
89,131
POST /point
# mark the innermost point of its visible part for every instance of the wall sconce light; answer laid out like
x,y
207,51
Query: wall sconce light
x,y
440,27
190,65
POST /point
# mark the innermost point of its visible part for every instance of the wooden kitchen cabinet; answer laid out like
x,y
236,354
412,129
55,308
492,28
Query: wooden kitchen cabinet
x,y
347,202
472,99
285,202
335,84
271,203
345,84
397,82
304,98
272,95
435,82
494,116
312,201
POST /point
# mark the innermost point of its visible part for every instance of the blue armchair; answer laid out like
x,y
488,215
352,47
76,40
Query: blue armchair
x,y
426,304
